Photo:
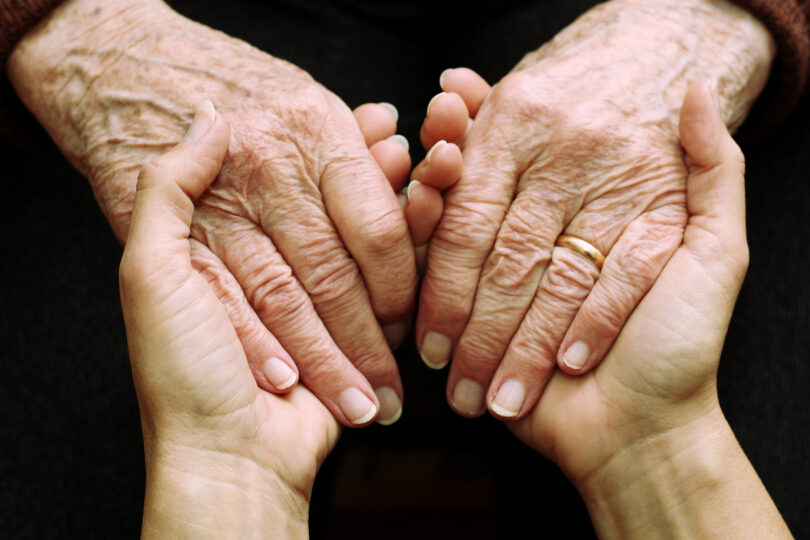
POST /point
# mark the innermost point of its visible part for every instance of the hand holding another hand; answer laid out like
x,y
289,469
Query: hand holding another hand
x,y
580,139
300,236
642,436
222,455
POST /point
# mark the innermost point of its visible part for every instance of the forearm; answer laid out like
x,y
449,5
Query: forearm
x,y
205,494
115,83
689,482
652,51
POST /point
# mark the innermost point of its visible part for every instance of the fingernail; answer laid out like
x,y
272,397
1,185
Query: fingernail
x,y
433,148
356,406
443,75
394,334
400,140
413,184
468,397
435,350
576,355
509,399
279,373
402,199
390,108
390,405
433,100
203,120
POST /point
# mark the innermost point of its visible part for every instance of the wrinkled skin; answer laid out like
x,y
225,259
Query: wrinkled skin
x,y
300,234
217,447
642,436
581,139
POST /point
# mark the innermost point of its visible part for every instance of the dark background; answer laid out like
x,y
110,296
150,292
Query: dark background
x,y
70,448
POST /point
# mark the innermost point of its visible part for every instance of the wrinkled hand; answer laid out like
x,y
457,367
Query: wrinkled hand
x,y
223,456
301,223
580,139
661,372
642,436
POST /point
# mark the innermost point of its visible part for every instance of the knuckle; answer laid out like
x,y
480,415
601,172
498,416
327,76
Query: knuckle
x,y
568,281
332,283
509,270
513,263
532,352
386,235
445,299
377,367
479,354
604,315
277,294
638,267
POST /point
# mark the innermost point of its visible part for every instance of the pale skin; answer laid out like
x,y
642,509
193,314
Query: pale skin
x,y
641,436
224,457
300,236
581,138
302,217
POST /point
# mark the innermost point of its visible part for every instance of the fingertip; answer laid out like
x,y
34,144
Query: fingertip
x,y
469,85
446,119
392,157
377,121
391,109
507,402
357,407
425,206
703,132
442,167
573,358
280,374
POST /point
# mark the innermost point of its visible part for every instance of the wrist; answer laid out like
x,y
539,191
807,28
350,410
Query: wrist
x,y
199,493
691,481
652,51
114,88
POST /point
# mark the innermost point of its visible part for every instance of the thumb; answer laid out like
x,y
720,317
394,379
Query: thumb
x,y
168,184
715,185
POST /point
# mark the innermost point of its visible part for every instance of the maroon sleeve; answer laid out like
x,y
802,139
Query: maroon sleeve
x,y
787,21
17,17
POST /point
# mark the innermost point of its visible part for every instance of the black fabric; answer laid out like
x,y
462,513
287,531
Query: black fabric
x,y
70,449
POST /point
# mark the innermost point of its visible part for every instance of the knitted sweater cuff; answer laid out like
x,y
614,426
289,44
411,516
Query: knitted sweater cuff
x,y
787,21
17,18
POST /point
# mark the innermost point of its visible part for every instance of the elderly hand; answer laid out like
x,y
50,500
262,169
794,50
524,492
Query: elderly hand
x,y
301,223
642,436
224,458
580,139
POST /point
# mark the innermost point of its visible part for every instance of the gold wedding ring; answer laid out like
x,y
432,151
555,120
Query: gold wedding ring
x,y
583,248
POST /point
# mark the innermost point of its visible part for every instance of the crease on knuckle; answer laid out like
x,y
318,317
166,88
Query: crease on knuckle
x,y
479,354
514,263
332,285
444,299
277,294
566,281
463,233
385,235
376,366
531,353
605,316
